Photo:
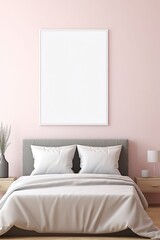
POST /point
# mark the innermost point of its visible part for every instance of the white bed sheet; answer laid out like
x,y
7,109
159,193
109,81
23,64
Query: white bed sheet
x,y
76,203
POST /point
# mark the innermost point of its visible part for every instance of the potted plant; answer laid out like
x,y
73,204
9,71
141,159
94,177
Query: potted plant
x,y
4,137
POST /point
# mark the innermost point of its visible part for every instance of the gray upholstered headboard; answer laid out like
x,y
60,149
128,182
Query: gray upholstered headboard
x,y
28,159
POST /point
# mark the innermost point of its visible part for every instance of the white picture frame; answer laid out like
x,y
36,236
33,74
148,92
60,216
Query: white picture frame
x,y
73,77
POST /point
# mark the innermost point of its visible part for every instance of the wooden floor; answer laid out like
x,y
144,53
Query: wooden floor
x,y
154,213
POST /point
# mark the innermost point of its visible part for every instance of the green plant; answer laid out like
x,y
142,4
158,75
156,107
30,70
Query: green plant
x,y
4,137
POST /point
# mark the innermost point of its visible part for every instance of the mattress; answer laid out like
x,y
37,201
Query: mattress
x,y
76,203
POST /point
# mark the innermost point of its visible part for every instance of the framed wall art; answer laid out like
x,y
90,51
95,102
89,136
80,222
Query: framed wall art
x,y
73,77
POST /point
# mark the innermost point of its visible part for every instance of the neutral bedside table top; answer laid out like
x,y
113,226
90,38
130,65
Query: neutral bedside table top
x,y
7,179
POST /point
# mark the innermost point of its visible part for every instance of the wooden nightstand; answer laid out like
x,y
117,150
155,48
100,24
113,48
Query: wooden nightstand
x,y
5,183
149,184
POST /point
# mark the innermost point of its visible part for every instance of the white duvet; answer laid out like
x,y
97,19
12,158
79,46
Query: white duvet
x,y
76,203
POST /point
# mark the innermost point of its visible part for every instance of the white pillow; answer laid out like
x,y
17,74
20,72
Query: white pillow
x,y
102,160
48,160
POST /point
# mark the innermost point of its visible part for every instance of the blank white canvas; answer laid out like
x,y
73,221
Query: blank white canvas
x,y
74,77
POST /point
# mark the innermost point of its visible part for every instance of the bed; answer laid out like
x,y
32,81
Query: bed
x,y
84,201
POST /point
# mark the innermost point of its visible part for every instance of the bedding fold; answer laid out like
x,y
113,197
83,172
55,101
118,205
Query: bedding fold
x,y
93,203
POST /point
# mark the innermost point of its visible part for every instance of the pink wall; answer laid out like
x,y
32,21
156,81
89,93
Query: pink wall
x,y
134,71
